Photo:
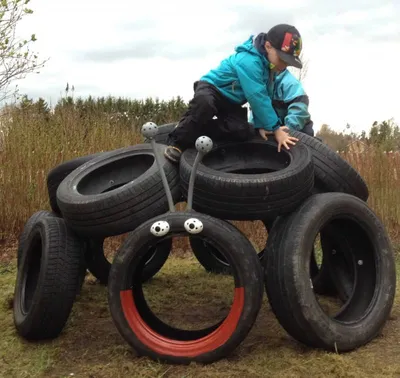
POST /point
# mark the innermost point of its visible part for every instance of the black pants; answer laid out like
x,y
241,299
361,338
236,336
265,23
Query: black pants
x,y
230,125
308,129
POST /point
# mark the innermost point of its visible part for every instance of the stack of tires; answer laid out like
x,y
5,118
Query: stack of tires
x,y
297,194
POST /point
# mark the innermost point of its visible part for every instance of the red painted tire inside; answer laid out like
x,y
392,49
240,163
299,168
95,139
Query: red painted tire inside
x,y
177,348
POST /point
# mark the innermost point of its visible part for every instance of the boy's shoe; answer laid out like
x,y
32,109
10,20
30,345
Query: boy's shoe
x,y
173,154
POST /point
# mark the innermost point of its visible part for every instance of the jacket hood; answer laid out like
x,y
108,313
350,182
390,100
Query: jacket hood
x,y
248,45
253,45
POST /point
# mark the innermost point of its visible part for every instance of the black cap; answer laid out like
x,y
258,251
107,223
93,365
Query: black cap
x,y
287,41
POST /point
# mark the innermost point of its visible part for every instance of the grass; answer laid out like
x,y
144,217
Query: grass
x,y
182,293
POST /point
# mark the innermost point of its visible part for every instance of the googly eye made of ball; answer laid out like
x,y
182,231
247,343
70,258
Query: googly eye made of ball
x,y
160,228
204,144
149,130
193,226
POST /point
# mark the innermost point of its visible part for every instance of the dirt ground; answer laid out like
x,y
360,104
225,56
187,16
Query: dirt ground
x,y
182,293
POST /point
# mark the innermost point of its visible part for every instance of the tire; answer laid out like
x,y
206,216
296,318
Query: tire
x,y
285,181
163,131
332,172
99,266
30,223
117,191
48,279
59,173
213,261
287,278
148,335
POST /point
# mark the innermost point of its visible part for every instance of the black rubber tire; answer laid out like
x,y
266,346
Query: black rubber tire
x,y
332,172
148,335
48,279
209,257
237,196
163,131
59,173
287,279
27,229
117,191
99,266
31,222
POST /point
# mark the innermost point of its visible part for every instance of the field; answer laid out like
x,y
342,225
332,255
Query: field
x,y
90,345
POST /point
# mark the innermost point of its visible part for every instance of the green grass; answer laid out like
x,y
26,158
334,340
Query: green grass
x,y
182,293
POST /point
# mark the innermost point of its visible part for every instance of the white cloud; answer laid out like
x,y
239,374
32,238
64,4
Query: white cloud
x,y
161,48
351,83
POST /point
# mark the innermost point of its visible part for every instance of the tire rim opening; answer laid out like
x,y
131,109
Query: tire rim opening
x,y
167,307
246,158
210,296
254,230
350,257
116,174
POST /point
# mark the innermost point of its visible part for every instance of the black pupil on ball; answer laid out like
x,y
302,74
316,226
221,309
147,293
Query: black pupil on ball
x,y
158,229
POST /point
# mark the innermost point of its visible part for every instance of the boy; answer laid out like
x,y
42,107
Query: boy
x,y
247,75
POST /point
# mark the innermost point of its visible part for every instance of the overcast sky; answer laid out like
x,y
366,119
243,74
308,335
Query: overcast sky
x,y
159,48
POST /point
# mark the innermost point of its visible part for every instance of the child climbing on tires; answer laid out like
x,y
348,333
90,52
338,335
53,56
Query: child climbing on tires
x,y
256,73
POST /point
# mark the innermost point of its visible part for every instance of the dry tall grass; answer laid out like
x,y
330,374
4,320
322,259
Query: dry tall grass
x,y
381,170
34,144
32,147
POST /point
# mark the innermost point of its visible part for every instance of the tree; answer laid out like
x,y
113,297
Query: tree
x,y
16,58
338,141
385,135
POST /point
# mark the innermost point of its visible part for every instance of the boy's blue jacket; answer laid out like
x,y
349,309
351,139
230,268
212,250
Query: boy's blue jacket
x,y
274,100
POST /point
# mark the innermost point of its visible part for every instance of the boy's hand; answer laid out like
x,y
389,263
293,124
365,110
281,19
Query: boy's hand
x,y
264,133
283,138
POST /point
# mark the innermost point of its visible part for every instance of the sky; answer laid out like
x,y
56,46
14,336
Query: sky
x,y
158,48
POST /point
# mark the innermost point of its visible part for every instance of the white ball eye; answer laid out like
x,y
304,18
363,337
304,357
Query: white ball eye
x,y
160,228
149,130
193,226
204,144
